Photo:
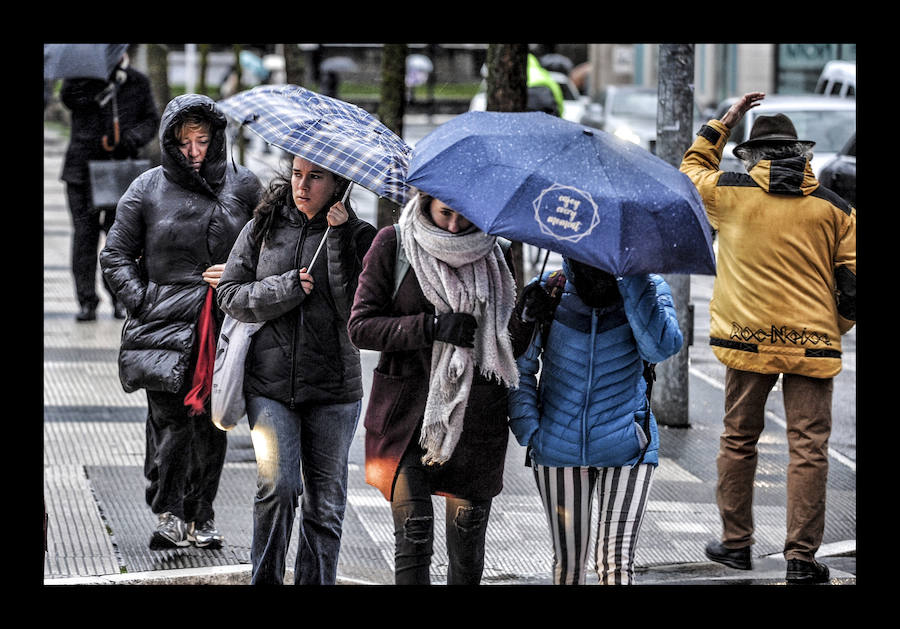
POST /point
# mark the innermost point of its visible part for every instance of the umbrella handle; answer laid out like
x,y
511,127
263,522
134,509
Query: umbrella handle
x,y
544,266
115,137
540,275
325,235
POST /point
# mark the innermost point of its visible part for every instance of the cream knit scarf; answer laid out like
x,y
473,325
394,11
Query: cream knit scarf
x,y
459,273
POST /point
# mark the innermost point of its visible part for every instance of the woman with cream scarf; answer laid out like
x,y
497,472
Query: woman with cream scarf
x,y
436,421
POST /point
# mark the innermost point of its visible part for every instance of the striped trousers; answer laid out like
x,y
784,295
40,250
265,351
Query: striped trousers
x,y
567,496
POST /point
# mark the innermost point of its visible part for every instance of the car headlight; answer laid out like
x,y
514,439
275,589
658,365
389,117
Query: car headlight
x,y
625,133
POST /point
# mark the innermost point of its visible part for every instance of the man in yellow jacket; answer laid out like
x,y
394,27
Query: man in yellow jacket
x,y
785,292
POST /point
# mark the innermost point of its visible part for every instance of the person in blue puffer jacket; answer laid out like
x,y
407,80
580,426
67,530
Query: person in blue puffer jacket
x,y
587,421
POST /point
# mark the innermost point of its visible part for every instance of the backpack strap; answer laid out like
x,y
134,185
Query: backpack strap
x,y
401,264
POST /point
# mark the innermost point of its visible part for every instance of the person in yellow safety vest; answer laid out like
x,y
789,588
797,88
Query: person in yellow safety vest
x,y
539,77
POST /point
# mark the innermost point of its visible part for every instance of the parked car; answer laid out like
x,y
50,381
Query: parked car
x,y
828,121
838,78
574,103
839,175
629,112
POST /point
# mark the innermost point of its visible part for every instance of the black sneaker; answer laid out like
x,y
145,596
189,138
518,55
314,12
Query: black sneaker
x,y
738,558
799,571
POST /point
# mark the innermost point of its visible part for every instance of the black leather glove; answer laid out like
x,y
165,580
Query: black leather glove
x,y
457,328
537,305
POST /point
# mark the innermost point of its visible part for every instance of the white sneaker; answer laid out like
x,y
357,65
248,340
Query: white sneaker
x,y
206,535
171,532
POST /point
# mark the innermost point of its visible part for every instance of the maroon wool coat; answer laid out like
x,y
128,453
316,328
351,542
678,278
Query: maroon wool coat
x,y
400,330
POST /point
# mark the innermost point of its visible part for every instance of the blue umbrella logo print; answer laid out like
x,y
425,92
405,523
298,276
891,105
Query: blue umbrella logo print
x,y
565,213
560,186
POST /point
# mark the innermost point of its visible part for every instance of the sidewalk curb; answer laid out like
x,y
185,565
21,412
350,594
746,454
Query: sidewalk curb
x,y
769,567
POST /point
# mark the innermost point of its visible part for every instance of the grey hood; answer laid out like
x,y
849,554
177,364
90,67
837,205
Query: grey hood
x,y
211,177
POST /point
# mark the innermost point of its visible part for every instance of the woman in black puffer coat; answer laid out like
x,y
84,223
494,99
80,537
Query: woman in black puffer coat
x,y
164,255
303,381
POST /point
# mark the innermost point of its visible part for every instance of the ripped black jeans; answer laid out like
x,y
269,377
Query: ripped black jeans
x,y
466,526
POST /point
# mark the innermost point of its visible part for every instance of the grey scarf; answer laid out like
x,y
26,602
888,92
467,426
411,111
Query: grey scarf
x,y
459,273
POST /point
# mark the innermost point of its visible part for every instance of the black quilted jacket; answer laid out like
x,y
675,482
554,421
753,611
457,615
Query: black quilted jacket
x,y
303,353
172,224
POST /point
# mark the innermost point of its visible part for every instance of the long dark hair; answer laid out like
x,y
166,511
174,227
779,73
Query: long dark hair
x,y
278,193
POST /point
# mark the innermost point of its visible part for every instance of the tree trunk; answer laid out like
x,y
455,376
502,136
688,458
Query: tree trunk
x,y
673,132
158,73
203,49
507,90
239,87
507,82
391,108
293,64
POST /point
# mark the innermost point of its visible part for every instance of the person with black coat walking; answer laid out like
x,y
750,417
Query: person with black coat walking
x,y
303,378
164,256
90,103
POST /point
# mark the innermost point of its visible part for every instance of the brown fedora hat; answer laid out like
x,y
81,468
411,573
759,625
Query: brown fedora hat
x,y
776,129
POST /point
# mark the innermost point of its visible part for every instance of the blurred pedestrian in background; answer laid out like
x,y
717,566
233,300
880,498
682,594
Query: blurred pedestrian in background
x,y
174,229
785,292
436,420
587,422
303,380
92,119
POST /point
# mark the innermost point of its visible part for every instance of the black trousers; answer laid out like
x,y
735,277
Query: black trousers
x,y
184,458
87,224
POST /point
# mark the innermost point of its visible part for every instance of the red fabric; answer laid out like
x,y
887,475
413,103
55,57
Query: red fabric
x,y
201,383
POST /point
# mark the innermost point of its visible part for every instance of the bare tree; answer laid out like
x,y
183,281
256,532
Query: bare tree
x,y
507,90
391,108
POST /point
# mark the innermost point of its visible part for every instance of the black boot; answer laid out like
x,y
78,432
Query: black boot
x,y
738,558
799,571
87,313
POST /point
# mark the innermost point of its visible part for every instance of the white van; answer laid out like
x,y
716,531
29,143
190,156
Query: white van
x,y
838,78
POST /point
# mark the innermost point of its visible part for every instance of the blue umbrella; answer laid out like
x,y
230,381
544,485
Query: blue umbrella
x,y
334,134
81,61
252,63
560,186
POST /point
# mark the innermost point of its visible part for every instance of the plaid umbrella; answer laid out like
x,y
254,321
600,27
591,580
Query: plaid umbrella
x,y
329,132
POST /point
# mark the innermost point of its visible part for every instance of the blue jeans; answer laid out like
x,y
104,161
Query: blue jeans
x,y
413,514
303,451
